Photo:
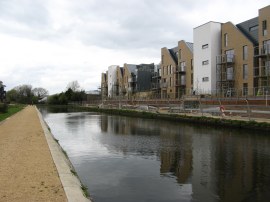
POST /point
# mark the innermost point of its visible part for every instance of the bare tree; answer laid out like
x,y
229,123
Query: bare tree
x,y
40,92
74,86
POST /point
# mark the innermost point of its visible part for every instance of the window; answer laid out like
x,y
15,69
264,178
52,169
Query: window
x,y
245,89
266,47
225,40
163,71
230,73
191,64
170,81
191,78
245,71
254,28
204,46
180,54
245,52
205,79
171,69
206,62
264,28
229,55
182,66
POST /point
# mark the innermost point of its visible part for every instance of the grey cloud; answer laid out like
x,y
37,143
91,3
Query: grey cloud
x,y
113,24
28,12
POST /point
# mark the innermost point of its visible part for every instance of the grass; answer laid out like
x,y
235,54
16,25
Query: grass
x,y
12,109
84,189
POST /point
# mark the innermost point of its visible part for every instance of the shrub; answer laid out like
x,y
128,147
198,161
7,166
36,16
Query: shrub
x,y
3,107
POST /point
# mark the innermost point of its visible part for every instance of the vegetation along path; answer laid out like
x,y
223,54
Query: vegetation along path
x,y
27,170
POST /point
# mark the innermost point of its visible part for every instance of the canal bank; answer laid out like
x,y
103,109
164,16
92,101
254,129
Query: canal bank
x,y
33,167
262,124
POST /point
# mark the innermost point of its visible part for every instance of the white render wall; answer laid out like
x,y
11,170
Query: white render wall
x,y
112,78
209,33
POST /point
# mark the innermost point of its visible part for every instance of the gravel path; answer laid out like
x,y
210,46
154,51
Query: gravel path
x,y
27,171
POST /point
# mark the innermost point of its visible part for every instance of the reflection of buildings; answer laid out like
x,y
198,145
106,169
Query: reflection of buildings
x,y
216,165
177,161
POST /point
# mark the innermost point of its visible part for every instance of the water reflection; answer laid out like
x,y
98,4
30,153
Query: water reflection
x,y
133,159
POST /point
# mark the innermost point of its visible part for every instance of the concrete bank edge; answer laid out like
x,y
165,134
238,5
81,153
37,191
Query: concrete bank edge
x,y
70,183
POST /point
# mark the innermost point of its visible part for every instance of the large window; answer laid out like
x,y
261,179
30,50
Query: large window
x,y
266,47
229,55
245,71
225,40
182,66
245,52
264,28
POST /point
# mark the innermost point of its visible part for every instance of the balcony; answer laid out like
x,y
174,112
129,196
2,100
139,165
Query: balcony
x,y
163,85
156,75
225,59
180,69
155,86
262,51
262,71
181,82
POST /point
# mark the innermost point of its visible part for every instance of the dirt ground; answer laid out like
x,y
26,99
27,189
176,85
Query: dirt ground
x,y
27,171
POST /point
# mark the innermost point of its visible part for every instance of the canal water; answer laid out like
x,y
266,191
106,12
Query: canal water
x,y
123,159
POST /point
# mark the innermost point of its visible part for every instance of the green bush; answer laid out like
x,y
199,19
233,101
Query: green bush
x,y
3,107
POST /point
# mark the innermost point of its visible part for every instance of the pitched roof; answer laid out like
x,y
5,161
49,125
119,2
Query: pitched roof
x,y
173,52
190,46
250,29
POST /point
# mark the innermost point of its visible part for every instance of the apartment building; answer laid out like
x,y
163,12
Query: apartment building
x,y
112,80
104,85
129,79
169,62
235,64
207,45
119,85
155,80
262,53
184,70
224,60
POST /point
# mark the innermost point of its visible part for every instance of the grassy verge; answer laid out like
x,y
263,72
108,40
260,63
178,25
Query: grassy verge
x,y
12,109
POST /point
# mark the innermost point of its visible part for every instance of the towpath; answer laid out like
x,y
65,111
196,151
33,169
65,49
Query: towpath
x,y
27,170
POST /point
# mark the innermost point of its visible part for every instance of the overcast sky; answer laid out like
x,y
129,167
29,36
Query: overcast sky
x,y
49,43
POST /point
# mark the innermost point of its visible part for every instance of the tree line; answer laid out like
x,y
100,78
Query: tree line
x,y
26,94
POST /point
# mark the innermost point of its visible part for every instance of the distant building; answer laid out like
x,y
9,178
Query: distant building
x,y
169,62
207,45
104,85
112,80
184,70
262,53
155,82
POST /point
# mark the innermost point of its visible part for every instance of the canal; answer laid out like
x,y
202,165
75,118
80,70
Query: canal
x,y
123,159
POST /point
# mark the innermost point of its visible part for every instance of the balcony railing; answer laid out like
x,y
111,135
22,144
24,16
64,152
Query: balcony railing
x,y
155,85
156,75
262,71
223,59
180,69
163,85
262,50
